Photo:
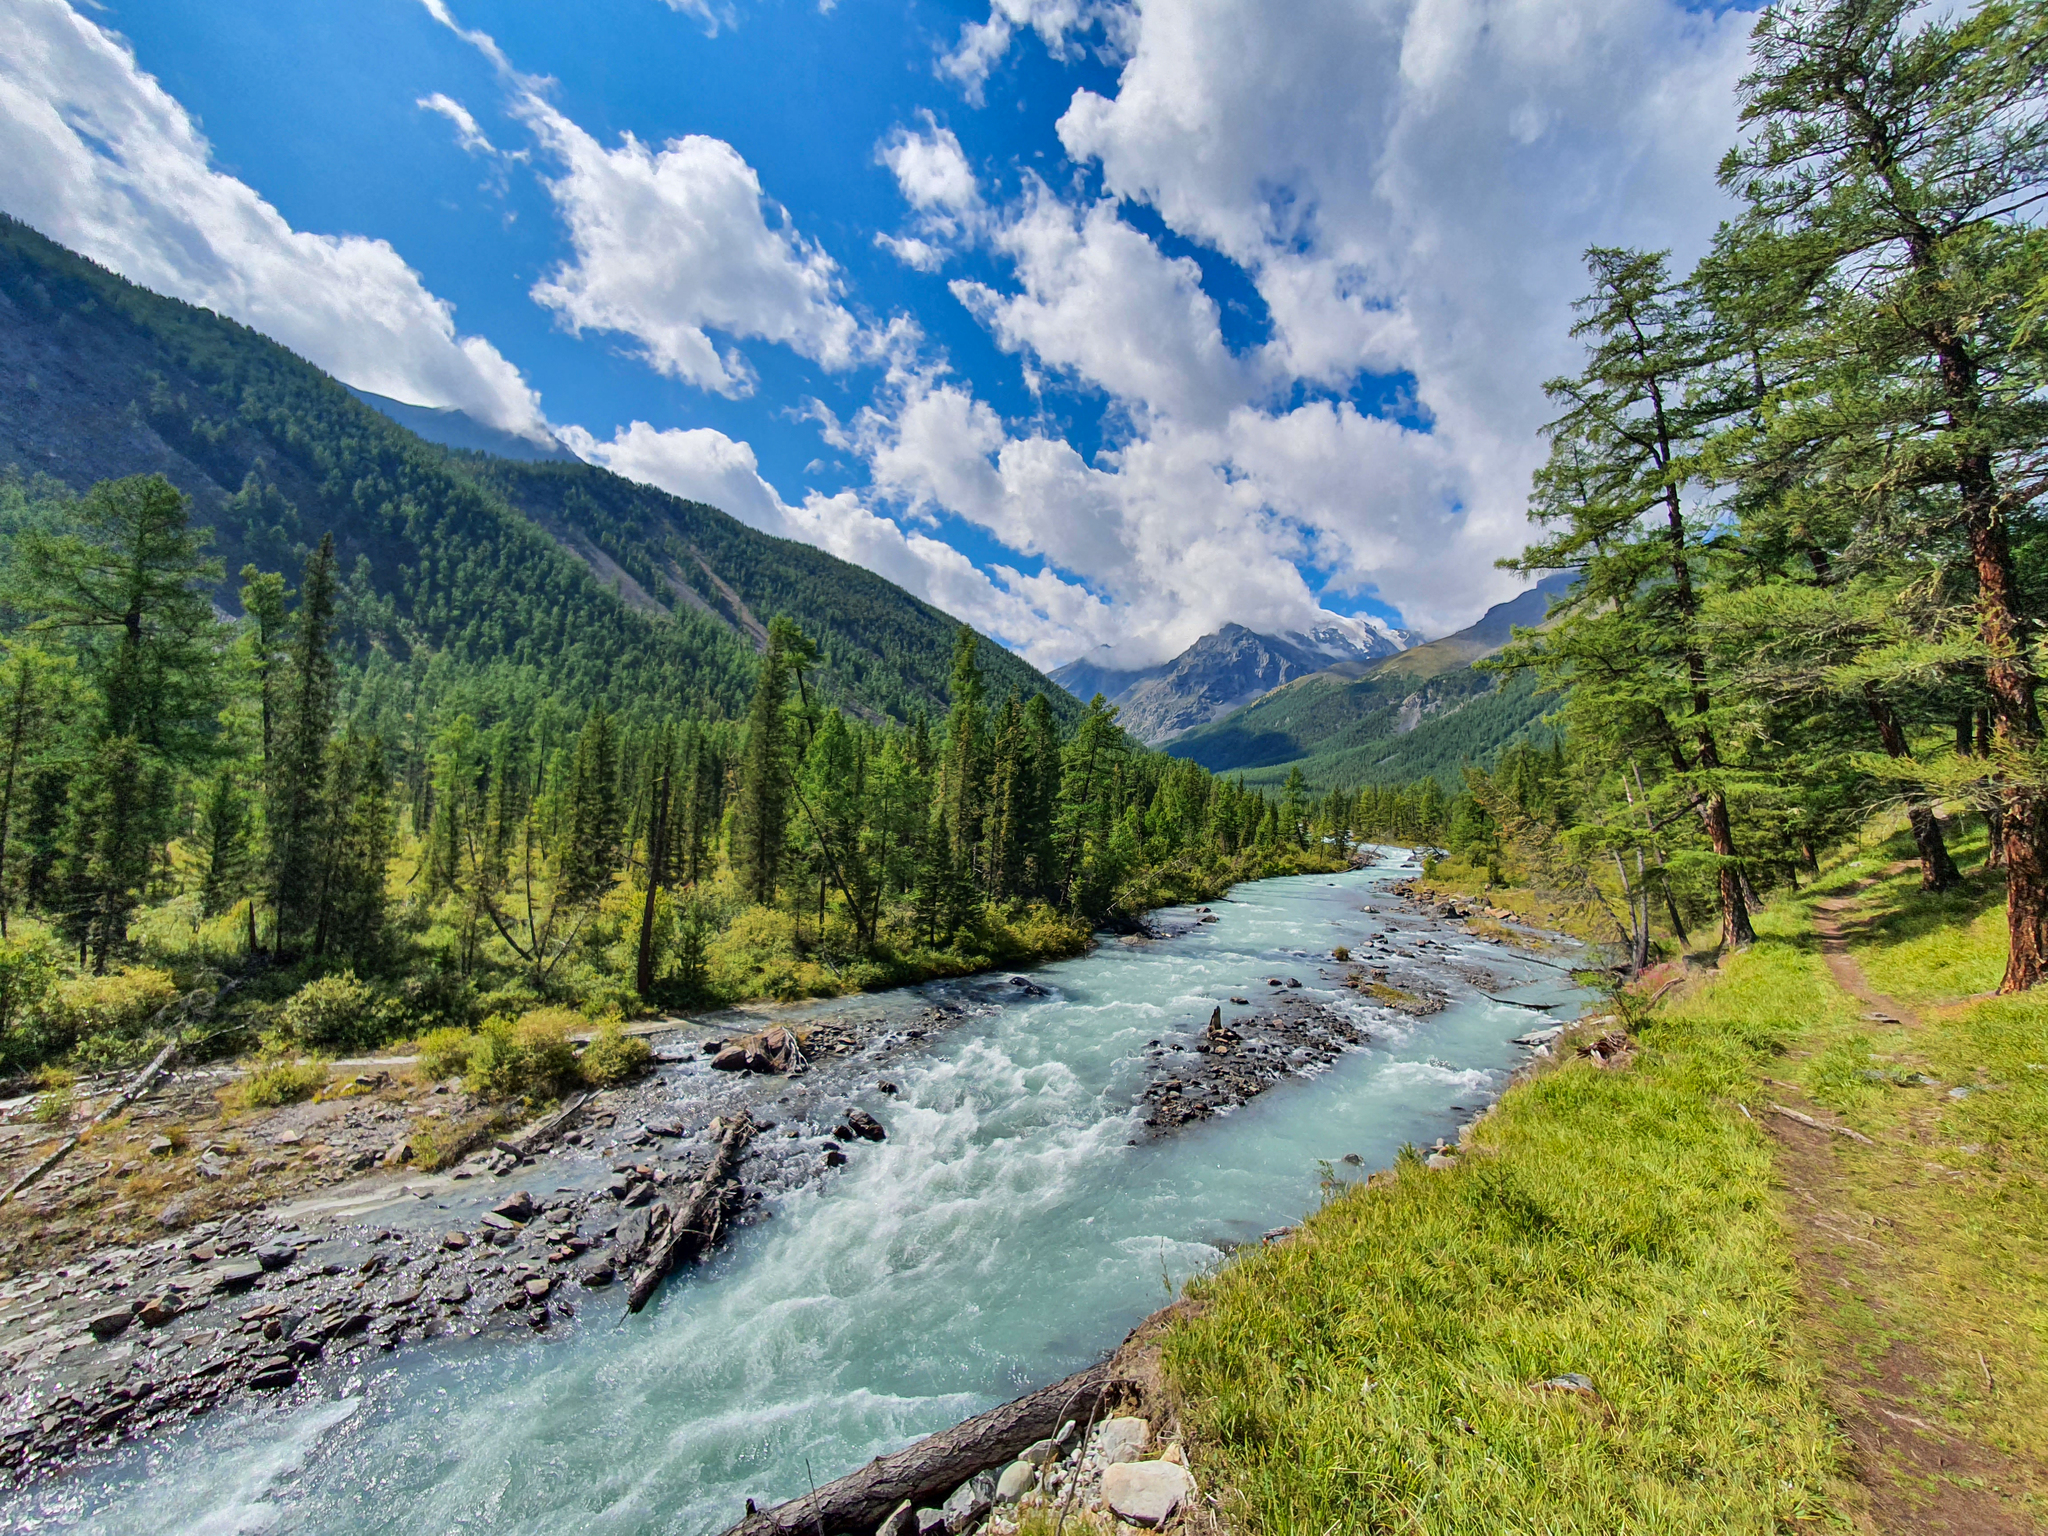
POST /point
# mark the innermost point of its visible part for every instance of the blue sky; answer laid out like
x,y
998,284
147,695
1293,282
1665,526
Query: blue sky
x,y
1094,323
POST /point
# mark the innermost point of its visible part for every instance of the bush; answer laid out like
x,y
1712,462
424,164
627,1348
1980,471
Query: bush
x,y
283,1082
614,1057
334,1012
530,1059
28,975
119,1004
445,1052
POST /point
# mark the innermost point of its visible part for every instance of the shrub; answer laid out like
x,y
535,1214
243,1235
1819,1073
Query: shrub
x,y
614,1056
445,1052
283,1082
119,1004
332,1012
1341,953
529,1059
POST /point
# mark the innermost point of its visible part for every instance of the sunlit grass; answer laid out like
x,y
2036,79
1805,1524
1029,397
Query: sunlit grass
x,y
1378,1374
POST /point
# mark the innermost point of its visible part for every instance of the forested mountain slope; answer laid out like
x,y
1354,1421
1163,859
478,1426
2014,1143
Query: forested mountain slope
x,y
1422,713
581,584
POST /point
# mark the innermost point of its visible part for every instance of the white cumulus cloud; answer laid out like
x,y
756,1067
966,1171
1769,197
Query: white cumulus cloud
x,y
97,155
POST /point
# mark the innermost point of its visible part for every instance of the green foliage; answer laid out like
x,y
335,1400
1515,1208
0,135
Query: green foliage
x,y
445,1052
530,1058
281,1082
334,1013
613,1056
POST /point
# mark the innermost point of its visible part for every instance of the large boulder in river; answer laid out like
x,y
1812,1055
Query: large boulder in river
x,y
865,1125
730,1058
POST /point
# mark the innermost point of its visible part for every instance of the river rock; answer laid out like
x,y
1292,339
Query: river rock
x,y
236,1274
969,1502
902,1521
730,1058
276,1255
931,1522
274,1374
156,1311
1122,1440
518,1207
111,1323
865,1125
1146,1492
1018,1479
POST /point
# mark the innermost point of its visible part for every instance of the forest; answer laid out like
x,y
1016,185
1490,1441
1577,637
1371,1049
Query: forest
x,y
189,799
1798,487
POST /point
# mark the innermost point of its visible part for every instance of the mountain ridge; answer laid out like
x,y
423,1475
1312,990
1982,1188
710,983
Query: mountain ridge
x,y
1422,712
1221,671
455,557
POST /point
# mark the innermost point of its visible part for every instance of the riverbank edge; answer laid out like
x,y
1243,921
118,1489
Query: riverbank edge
x,y
1762,1257
505,1119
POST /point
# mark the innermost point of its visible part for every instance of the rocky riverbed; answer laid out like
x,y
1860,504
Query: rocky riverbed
x,y
316,1247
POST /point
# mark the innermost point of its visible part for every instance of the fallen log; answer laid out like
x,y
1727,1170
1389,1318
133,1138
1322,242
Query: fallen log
x,y
144,1080
926,1472
693,1224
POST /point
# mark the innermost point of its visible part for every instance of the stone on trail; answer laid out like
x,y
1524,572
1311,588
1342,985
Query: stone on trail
x,y
1146,1492
1122,1439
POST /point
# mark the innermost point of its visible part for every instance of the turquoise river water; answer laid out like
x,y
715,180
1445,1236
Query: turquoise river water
x,y
1007,1233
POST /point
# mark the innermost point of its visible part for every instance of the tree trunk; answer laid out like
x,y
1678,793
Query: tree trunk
x,y
657,847
2016,727
1736,932
925,1473
1938,871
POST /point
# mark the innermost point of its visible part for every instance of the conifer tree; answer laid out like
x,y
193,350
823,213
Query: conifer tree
x,y
1623,458
299,816
761,818
1891,172
126,584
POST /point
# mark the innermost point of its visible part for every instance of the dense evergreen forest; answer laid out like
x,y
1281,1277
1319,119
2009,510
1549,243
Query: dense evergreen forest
x,y
187,797
1799,488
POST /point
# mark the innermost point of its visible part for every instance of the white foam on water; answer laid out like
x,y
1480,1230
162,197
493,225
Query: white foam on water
x,y
1005,1233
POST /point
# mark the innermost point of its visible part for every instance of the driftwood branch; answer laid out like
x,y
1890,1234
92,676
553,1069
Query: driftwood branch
x,y
142,1082
926,1472
1822,1125
693,1225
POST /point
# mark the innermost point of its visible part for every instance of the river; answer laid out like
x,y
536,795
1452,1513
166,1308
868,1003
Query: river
x,y
1008,1232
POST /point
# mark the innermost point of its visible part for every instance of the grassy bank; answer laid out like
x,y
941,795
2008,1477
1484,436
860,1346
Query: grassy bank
x,y
1785,1329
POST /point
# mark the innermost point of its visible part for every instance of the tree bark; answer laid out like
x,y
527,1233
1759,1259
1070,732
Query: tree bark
x,y
694,1224
1938,871
924,1473
1736,932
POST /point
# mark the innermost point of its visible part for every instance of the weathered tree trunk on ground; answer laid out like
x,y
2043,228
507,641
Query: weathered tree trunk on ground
x,y
926,1472
693,1225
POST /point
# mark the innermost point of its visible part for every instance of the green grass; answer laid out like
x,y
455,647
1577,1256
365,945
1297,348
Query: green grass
x,y
1633,1226
1376,1374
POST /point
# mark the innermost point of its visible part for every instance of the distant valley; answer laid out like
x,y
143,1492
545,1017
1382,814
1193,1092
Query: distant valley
x,y
1349,702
